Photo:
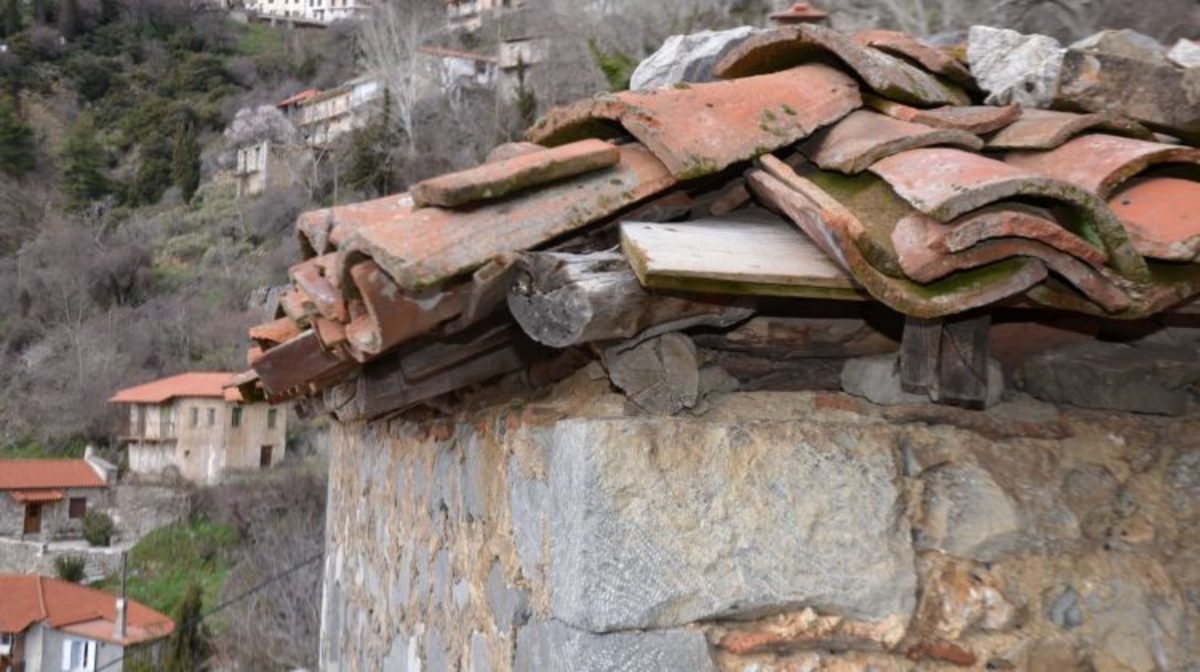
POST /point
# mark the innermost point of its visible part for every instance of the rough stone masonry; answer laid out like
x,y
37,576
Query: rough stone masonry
x,y
777,531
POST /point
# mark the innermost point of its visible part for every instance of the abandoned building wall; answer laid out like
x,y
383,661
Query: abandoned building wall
x,y
777,530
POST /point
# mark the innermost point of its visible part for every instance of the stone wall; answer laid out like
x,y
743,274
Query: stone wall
x,y
29,557
775,531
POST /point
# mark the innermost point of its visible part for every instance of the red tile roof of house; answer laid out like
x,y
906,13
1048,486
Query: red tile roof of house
x,y
298,98
194,384
30,599
48,475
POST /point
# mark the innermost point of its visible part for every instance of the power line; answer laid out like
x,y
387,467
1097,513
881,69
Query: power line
x,y
234,600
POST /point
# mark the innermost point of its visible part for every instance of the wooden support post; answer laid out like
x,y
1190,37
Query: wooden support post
x,y
963,363
947,359
920,350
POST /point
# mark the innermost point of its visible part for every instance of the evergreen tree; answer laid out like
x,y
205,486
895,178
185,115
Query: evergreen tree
x,y
526,100
370,164
16,142
68,18
83,179
187,649
185,159
11,20
39,12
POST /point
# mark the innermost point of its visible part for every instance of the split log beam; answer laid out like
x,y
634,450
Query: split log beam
x,y
561,300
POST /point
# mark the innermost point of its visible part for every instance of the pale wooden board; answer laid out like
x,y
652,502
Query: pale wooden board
x,y
747,252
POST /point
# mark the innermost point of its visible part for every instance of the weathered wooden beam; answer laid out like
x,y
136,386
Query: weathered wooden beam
x,y
963,362
563,299
947,358
399,382
842,334
920,350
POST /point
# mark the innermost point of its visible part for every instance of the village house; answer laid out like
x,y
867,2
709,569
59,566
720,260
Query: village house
x,y
325,116
48,625
266,165
470,14
190,426
313,11
46,500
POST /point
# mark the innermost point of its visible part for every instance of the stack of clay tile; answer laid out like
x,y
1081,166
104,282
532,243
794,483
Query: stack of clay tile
x,y
869,146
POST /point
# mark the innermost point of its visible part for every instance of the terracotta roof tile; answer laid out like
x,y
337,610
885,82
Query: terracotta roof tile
x,y
864,137
192,384
948,183
830,225
44,474
30,599
1162,215
886,75
699,129
500,178
1099,162
976,119
933,59
1047,129
432,244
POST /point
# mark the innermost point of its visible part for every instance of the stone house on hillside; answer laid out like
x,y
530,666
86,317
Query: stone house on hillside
x,y
309,11
49,625
266,165
191,426
46,500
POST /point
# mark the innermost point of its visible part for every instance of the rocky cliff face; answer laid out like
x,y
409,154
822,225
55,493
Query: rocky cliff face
x,y
777,531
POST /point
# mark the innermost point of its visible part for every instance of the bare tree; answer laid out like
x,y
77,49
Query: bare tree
x,y
391,41
281,520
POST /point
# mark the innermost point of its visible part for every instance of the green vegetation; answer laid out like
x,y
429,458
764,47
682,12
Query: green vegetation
x,y
70,567
169,560
185,159
617,67
16,142
188,648
83,159
98,528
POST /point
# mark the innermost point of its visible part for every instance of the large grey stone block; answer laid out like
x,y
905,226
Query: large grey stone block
x,y
551,646
660,522
1014,68
687,58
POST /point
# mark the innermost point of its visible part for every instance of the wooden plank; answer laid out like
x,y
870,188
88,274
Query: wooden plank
x,y
748,252
920,350
963,362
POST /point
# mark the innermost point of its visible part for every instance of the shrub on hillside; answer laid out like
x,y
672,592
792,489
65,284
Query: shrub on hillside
x,y
98,528
70,567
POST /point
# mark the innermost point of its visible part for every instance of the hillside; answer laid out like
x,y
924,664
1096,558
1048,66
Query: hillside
x,y
111,269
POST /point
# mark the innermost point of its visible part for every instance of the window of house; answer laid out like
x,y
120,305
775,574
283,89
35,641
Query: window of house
x,y
271,418
195,416
79,655
77,508
212,417
235,418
